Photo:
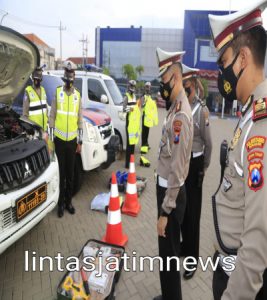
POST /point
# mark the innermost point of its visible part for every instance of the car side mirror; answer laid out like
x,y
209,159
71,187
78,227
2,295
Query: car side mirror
x,y
104,99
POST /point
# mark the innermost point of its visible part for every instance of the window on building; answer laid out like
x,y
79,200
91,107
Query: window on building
x,y
95,90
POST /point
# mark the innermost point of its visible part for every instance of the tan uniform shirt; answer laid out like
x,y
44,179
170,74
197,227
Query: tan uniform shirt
x,y
242,205
175,149
53,111
202,138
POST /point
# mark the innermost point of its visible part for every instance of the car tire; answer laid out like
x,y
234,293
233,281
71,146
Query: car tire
x,y
120,151
78,175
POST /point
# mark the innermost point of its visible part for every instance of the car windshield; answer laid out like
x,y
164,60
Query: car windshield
x,y
114,92
50,84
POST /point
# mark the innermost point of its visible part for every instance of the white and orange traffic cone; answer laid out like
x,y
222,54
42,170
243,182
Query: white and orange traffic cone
x,y
114,234
131,205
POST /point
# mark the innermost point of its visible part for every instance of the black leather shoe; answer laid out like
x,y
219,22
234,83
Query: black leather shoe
x,y
60,211
158,298
70,209
188,274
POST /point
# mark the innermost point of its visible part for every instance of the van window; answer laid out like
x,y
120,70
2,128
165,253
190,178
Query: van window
x,y
114,92
95,90
78,83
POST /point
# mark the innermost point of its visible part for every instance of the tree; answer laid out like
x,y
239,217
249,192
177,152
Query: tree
x,y
139,70
106,71
129,72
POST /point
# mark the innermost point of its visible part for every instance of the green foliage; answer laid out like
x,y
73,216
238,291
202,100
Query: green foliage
x,y
139,70
106,71
129,72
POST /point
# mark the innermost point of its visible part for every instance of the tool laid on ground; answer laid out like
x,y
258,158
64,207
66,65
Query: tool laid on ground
x,y
76,289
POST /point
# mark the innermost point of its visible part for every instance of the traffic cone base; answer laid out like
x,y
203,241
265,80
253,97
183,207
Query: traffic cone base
x,y
111,236
131,205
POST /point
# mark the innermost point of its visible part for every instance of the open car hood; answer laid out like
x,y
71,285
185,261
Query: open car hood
x,y
18,58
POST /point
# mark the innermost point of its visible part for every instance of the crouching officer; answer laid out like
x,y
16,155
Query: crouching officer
x,y
173,164
34,104
130,106
240,204
66,125
199,162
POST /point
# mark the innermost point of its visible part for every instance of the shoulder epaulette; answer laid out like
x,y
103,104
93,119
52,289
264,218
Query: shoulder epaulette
x,y
259,109
60,86
77,89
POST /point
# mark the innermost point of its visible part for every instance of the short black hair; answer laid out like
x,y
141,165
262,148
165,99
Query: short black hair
x,y
255,39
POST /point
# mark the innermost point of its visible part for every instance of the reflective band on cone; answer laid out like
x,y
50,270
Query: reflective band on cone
x,y
131,205
114,234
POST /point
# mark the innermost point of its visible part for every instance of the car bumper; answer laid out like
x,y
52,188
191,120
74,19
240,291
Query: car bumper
x,y
12,231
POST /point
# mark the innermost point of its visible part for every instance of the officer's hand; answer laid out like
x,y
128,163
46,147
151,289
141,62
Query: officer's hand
x,y
162,223
79,148
131,109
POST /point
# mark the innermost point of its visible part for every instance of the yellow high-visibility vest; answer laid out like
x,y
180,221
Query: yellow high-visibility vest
x,y
37,106
150,112
134,120
66,123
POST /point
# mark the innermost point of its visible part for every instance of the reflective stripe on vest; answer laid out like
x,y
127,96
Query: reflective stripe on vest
x,y
134,121
66,124
150,112
37,106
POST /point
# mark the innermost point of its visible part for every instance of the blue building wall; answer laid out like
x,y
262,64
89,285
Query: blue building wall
x,y
118,34
196,26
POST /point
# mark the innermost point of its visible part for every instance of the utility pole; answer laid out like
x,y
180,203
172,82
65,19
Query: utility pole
x,y
61,28
84,42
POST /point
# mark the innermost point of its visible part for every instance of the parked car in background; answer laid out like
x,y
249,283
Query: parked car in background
x,y
29,177
100,144
101,92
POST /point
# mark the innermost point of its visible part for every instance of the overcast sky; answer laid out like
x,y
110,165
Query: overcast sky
x,y
83,16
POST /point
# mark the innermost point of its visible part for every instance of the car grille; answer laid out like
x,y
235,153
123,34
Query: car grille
x,y
8,217
105,130
18,173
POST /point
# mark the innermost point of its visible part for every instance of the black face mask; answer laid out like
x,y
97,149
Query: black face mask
x,y
37,82
227,81
166,90
69,83
187,91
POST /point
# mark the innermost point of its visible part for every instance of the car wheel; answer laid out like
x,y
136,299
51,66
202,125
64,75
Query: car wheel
x,y
78,175
120,148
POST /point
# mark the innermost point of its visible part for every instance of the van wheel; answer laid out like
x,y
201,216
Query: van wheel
x,y
120,150
78,175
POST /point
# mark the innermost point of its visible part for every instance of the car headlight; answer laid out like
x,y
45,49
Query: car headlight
x,y
122,115
90,134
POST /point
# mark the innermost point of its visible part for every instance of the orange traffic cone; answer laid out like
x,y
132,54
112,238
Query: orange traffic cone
x,y
131,205
114,234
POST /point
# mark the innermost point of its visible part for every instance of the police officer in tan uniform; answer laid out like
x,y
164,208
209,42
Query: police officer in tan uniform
x,y
200,160
240,205
173,164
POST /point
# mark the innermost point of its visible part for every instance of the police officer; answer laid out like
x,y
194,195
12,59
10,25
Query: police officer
x,y
200,160
130,106
173,164
240,205
66,125
34,104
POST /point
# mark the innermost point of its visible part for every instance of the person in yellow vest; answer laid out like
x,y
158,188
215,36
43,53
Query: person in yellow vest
x,y
66,131
34,102
149,118
130,106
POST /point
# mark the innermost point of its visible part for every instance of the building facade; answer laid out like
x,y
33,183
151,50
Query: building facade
x,y
136,46
47,54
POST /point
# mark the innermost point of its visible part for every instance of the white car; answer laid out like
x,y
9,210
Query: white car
x,y
29,176
100,144
101,92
